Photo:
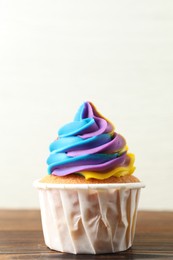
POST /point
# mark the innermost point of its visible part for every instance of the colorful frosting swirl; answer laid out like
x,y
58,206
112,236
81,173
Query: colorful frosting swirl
x,y
89,146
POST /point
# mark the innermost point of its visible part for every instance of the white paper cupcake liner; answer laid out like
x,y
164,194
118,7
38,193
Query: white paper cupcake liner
x,y
89,218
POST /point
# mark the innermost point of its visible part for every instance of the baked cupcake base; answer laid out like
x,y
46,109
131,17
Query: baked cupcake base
x,y
88,218
77,179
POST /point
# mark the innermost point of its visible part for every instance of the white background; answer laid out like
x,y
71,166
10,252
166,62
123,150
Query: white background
x,y
56,54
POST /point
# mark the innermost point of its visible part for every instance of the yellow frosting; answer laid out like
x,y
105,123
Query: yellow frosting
x,y
117,172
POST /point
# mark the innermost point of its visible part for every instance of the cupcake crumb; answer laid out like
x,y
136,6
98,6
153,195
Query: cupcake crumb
x,y
77,179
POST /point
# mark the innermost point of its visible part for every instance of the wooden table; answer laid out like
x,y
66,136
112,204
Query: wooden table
x,y
21,238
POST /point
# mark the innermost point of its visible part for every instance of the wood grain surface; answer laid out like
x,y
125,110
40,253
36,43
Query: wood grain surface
x,y
21,238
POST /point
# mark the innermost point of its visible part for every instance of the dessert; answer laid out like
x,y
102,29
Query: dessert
x,y
89,198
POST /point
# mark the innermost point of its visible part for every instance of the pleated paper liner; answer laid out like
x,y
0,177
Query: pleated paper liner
x,y
89,218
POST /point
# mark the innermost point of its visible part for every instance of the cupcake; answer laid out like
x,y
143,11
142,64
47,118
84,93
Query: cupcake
x,y
89,197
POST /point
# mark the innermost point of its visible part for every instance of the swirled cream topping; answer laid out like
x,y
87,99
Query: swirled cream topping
x,y
89,146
